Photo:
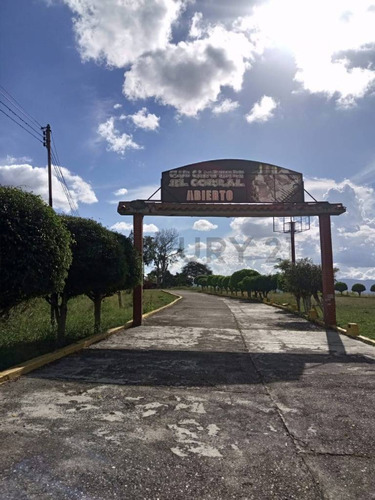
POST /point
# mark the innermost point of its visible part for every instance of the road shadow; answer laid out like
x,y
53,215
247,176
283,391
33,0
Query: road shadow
x,y
185,368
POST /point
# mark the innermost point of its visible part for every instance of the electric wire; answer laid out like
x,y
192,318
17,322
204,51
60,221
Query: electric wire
x,y
28,131
71,201
54,155
17,105
19,117
60,177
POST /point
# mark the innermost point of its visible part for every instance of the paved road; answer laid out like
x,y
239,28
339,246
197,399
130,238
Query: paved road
x,y
212,398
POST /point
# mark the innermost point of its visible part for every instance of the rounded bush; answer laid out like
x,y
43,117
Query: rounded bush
x,y
34,248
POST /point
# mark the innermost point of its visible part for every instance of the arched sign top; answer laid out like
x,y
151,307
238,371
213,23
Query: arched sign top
x,y
232,181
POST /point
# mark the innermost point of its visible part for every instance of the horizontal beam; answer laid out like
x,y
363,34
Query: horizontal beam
x,y
158,208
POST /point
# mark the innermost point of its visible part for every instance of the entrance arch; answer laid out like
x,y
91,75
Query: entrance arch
x,y
236,188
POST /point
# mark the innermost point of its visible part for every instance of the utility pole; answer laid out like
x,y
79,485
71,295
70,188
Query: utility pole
x,y
292,241
47,144
53,299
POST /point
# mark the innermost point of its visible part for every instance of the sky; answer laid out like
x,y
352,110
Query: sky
x,y
132,88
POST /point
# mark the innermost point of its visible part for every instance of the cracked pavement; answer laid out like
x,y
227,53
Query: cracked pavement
x,y
212,398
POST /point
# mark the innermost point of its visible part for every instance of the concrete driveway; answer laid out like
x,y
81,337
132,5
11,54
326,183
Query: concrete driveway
x,y
212,398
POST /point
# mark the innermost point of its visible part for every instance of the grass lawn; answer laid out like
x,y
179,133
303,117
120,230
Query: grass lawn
x,y
27,332
349,309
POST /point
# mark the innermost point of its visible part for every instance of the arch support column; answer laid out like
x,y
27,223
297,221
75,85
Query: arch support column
x,y
329,304
138,290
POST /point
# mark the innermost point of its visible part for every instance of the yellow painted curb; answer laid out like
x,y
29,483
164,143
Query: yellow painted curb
x,y
32,364
178,298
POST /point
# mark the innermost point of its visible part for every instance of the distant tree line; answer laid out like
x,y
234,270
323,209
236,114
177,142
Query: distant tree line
x,y
357,288
43,254
244,280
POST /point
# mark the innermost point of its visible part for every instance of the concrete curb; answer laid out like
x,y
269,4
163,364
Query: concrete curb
x,y
32,364
338,329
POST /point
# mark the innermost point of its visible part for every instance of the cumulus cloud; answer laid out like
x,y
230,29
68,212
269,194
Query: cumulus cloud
x,y
143,119
138,193
225,106
35,179
117,106
262,111
117,33
196,28
331,43
252,242
125,227
190,75
121,192
12,160
116,141
204,225
320,35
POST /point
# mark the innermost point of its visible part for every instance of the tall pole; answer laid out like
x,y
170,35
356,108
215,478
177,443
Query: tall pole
x,y
292,241
138,290
329,304
47,144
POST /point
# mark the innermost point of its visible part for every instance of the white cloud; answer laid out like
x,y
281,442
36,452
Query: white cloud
x,y
121,192
11,160
35,179
326,40
118,32
117,106
204,225
320,35
139,193
196,26
116,141
225,106
190,75
143,119
262,111
124,227
253,244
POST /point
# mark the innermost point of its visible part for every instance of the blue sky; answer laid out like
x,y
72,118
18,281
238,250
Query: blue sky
x,y
134,88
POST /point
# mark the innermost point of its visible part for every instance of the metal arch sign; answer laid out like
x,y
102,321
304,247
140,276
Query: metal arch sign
x,y
232,181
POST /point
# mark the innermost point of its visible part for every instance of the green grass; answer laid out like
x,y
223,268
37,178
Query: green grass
x,y
27,332
359,310
349,309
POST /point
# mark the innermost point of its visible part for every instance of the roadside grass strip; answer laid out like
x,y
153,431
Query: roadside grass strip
x,y
15,372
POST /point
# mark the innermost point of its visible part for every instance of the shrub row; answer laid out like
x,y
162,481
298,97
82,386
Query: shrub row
x,y
59,257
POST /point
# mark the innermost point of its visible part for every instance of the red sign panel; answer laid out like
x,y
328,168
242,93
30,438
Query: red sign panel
x,y
231,181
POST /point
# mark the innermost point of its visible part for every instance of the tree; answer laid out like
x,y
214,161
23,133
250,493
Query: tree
x,y
193,269
103,262
201,281
226,283
372,289
303,279
238,276
163,252
34,248
341,287
248,285
359,288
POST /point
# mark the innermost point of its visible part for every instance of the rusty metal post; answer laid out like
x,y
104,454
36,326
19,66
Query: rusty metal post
x,y
292,241
138,290
329,304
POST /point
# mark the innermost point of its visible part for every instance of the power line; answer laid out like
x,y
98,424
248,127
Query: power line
x,y
52,152
72,203
17,105
13,120
18,116
60,176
